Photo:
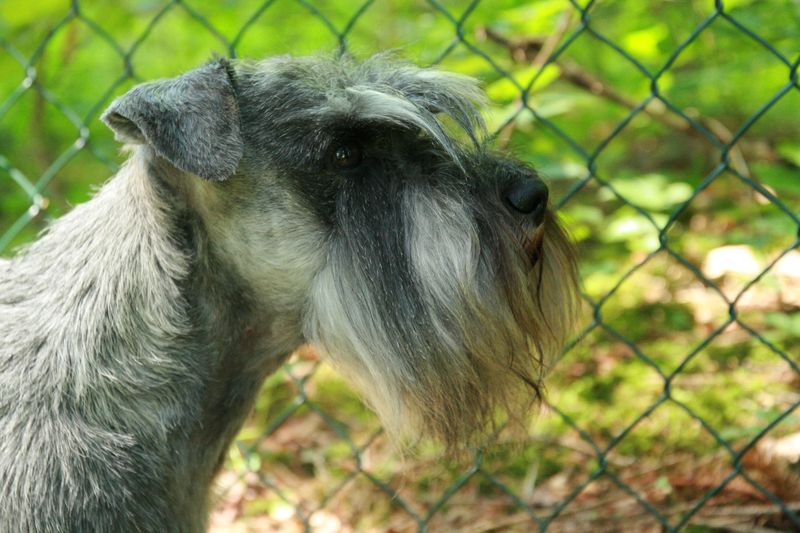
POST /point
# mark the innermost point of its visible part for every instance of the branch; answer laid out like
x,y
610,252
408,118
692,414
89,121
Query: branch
x,y
536,50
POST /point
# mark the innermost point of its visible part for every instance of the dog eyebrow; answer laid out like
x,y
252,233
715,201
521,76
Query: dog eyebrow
x,y
376,104
455,95
373,105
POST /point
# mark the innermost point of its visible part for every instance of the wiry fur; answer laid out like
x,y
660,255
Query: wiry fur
x,y
135,333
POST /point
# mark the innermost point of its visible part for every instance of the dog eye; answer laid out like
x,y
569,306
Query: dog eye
x,y
347,156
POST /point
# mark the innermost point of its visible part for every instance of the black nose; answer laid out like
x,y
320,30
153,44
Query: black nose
x,y
529,197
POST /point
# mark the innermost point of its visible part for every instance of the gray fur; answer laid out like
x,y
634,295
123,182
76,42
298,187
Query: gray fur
x,y
135,333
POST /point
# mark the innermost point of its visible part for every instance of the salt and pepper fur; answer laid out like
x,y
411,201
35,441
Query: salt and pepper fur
x,y
135,333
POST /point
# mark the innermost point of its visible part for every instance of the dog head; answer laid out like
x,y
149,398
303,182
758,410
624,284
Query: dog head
x,y
361,199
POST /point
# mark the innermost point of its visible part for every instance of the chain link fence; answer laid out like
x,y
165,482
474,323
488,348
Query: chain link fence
x,y
675,404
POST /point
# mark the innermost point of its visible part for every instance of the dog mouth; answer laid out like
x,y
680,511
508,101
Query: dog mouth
x,y
533,241
533,245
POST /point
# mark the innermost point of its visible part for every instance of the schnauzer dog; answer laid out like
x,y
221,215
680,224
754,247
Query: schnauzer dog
x,y
351,205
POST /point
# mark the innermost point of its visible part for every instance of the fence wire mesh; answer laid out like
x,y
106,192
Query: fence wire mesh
x,y
675,399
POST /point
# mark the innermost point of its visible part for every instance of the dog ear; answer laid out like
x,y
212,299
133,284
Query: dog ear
x,y
191,120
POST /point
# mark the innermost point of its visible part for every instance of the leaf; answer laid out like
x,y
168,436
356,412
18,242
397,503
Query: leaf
x,y
634,230
625,228
644,43
653,192
783,180
506,89
790,151
16,16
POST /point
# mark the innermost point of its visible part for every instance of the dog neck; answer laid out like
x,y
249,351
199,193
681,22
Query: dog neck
x,y
162,369
235,342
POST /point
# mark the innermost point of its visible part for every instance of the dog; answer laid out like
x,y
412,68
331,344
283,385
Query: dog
x,y
353,205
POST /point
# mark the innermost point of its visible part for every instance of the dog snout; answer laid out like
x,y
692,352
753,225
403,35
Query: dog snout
x,y
528,196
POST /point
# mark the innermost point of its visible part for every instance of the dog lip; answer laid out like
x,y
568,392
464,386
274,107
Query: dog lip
x,y
533,244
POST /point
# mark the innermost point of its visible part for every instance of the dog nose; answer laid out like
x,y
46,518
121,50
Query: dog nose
x,y
529,197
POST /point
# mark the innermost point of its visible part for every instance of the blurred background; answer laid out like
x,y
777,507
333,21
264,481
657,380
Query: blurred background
x,y
669,133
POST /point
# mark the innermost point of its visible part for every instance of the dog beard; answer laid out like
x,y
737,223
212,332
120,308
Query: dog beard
x,y
441,308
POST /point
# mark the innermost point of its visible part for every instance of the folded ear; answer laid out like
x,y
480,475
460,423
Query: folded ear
x,y
192,120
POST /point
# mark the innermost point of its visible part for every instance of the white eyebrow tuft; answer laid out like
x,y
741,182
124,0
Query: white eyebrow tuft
x,y
371,104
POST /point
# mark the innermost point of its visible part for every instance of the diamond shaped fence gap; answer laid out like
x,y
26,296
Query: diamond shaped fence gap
x,y
762,309
539,473
73,182
785,131
38,154
302,32
661,446
199,44
671,299
480,505
664,167
77,52
532,135
600,368
587,118
622,238
732,97
378,509
37,149
667,134
647,32
725,385
737,241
